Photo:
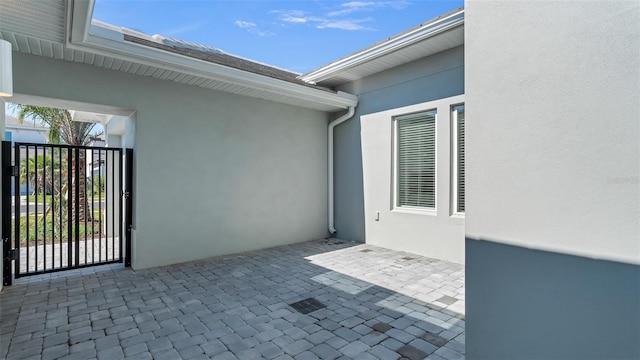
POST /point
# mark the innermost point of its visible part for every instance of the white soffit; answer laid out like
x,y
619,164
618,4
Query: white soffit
x,y
39,19
443,33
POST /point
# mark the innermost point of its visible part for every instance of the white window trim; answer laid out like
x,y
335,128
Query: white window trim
x,y
454,160
394,164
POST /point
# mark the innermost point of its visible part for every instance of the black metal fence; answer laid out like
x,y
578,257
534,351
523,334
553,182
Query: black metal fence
x,y
64,207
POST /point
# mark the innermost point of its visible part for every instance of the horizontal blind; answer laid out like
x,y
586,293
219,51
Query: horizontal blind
x,y
416,157
459,111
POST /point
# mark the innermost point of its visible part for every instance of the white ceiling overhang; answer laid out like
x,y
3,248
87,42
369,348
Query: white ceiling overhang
x,y
437,35
63,30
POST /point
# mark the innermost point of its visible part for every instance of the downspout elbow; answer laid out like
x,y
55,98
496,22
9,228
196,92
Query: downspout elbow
x,y
332,125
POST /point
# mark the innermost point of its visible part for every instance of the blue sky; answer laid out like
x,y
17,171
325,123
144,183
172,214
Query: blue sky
x,y
295,35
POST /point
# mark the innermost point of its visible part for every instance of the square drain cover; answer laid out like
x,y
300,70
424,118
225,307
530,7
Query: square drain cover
x,y
447,300
307,305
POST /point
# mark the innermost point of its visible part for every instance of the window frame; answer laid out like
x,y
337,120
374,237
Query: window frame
x,y
396,165
455,138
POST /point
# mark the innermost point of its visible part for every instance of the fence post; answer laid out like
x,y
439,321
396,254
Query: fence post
x,y
7,171
129,205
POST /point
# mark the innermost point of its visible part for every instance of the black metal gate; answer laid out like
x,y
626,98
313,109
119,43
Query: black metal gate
x,y
64,207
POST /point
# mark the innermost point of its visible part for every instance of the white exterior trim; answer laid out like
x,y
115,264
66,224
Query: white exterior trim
x,y
394,44
330,180
454,162
394,163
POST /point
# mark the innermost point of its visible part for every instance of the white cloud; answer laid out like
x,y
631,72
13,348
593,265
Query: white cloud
x,y
353,6
252,28
292,16
399,5
359,6
293,19
245,24
336,19
300,17
350,25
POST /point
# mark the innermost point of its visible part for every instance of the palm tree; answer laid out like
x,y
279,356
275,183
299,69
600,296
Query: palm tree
x,y
40,171
62,129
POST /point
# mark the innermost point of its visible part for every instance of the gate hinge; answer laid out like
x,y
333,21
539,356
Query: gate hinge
x,y
11,255
14,170
126,194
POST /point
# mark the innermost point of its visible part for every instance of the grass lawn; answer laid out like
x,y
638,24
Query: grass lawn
x,y
46,199
51,228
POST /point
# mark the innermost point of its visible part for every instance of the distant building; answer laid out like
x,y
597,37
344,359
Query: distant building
x,y
27,131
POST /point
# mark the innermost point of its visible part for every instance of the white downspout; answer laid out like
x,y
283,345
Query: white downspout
x,y
333,124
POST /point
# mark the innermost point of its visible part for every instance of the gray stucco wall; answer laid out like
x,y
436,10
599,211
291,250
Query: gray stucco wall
x,y
436,233
530,304
553,177
432,78
216,173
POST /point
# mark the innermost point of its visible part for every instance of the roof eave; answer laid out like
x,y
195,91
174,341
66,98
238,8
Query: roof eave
x,y
109,42
393,44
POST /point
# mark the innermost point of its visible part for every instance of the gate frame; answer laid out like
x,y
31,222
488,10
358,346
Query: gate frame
x,y
128,205
9,254
7,173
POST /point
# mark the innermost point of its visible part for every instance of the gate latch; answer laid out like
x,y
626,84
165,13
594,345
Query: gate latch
x,y
126,194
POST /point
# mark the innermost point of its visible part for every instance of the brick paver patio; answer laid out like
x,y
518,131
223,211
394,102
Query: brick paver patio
x,y
361,302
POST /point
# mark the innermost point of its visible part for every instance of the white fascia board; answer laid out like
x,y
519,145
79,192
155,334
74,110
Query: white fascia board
x,y
394,44
79,13
110,42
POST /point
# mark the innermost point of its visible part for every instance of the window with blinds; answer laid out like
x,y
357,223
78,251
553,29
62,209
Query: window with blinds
x,y
458,118
416,160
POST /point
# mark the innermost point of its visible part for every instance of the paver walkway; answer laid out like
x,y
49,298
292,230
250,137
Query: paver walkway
x,y
52,256
363,302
